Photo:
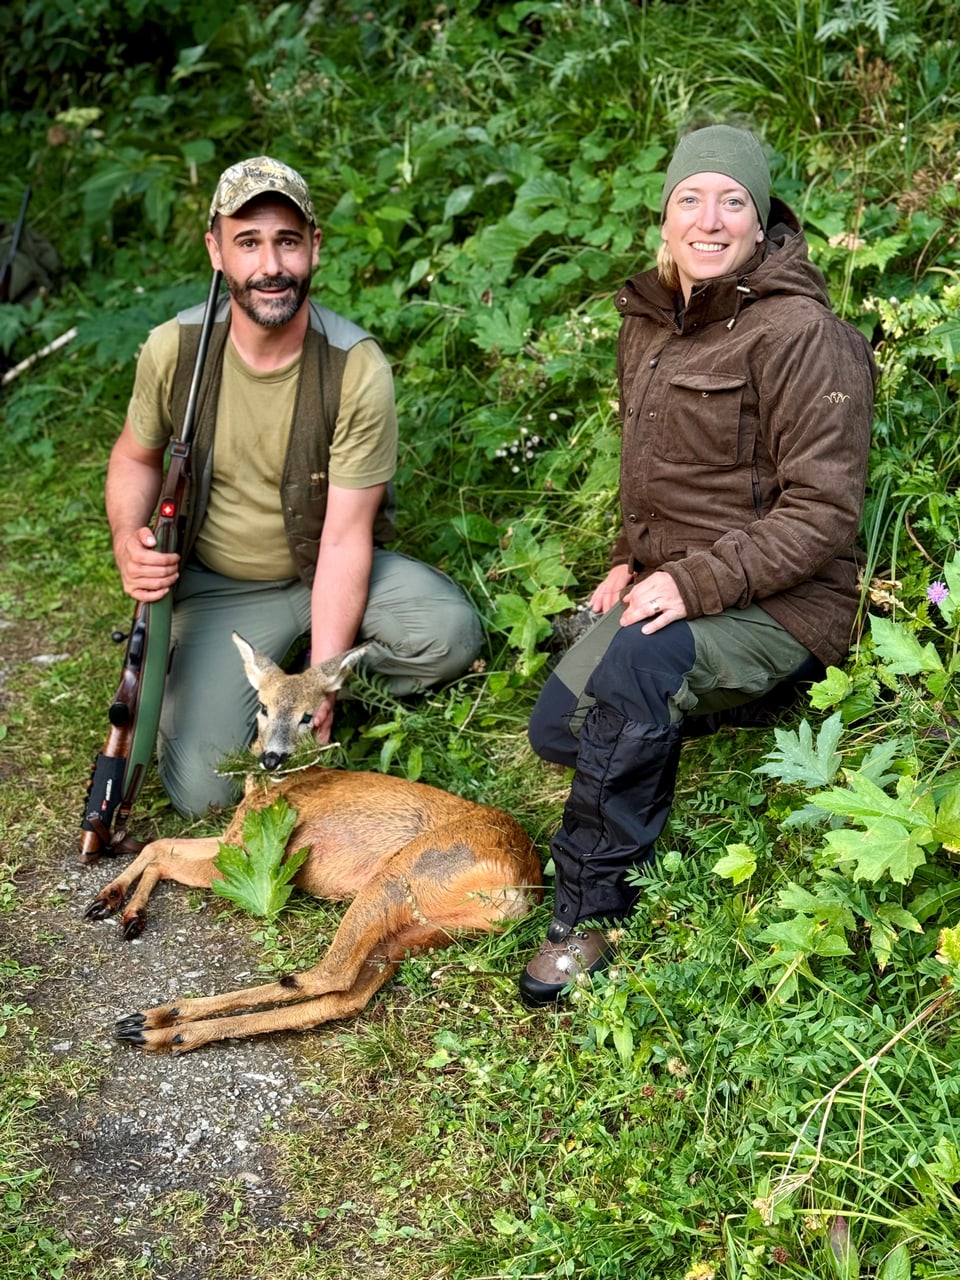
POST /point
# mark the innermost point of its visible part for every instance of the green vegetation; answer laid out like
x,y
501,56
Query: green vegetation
x,y
255,874
767,1082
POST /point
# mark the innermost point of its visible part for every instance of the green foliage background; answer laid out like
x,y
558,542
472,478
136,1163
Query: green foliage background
x,y
766,1085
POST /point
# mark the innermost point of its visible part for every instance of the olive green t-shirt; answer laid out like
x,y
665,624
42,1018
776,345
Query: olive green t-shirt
x,y
242,535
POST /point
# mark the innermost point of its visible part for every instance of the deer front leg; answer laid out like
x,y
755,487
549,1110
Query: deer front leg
x,y
188,862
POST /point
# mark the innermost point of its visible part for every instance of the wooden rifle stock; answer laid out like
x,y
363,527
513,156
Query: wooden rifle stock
x,y
118,771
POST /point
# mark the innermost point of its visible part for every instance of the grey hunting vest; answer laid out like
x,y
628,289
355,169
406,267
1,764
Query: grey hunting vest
x,y
303,486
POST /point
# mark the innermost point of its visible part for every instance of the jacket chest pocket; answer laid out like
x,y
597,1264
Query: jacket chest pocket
x,y
702,419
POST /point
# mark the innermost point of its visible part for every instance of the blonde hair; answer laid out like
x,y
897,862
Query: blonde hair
x,y
667,268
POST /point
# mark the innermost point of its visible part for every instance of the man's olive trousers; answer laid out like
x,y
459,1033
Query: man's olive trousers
x,y
425,630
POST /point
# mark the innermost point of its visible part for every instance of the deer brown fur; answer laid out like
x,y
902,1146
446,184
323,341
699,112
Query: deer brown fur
x,y
417,865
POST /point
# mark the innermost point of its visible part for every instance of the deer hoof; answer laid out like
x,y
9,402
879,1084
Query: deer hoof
x,y
133,925
130,1030
103,906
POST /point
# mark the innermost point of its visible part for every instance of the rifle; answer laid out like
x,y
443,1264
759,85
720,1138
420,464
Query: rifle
x,y
6,272
118,771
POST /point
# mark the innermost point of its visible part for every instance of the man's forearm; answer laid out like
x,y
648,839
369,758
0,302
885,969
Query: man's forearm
x,y
131,494
339,597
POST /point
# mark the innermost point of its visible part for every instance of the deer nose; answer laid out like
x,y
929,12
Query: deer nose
x,y
271,760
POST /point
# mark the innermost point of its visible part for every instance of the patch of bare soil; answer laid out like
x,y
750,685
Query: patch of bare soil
x,y
138,1127
148,1154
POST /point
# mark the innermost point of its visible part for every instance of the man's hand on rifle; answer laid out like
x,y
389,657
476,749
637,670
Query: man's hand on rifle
x,y
134,478
146,574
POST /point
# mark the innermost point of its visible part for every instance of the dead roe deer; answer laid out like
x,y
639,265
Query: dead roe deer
x,y
417,865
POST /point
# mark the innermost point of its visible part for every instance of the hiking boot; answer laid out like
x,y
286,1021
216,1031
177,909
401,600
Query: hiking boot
x,y
566,954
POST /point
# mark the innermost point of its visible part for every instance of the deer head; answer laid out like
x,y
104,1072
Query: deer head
x,y
288,702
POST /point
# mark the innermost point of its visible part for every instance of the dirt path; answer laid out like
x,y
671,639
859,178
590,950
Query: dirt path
x,y
132,1137
156,1163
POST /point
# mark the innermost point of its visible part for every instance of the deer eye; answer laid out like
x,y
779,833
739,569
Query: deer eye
x,y
261,709
306,717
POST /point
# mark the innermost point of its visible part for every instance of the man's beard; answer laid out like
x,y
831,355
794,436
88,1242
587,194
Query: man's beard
x,y
270,312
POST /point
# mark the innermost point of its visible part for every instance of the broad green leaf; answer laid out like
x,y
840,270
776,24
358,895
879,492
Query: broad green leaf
x,y
504,1223
832,689
539,564
882,941
419,269
790,935
257,876
799,760
393,213
862,800
899,916
876,763
951,576
477,528
900,649
414,767
946,827
198,150
884,848
514,615
458,200
737,864
947,1163
548,600
623,1042
504,331
824,910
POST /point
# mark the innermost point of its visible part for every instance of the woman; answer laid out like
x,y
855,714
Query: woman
x,y
746,406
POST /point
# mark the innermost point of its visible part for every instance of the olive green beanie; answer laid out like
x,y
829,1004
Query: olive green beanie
x,y
721,149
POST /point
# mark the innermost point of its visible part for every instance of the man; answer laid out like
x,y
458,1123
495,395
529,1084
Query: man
x,y
294,448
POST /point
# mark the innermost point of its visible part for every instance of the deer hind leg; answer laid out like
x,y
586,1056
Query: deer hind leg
x,y
188,862
435,886
181,1036
187,1024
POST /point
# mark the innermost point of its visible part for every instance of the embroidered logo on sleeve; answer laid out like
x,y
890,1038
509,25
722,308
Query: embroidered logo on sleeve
x,y
836,397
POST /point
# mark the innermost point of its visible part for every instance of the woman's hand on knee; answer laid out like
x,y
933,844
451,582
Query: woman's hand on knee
x,y
611,589
655,602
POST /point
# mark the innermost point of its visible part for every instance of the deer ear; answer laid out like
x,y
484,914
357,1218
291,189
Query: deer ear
x,y
334,671
256,664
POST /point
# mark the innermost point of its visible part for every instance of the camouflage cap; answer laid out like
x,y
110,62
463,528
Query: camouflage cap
x,y
259,176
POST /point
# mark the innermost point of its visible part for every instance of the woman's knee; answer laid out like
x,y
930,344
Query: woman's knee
x,y
549,731
639,675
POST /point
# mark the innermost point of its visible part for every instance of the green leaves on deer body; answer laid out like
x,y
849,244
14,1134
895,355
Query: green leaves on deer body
x,y
257,876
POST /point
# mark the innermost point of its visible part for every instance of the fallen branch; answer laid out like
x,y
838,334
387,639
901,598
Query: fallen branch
x,y
31,360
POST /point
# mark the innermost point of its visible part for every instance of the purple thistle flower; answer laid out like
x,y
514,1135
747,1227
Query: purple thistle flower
x,y
937,592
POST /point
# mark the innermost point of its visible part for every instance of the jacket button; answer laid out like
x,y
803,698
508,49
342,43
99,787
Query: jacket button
x,y
632,518
629,413
654,362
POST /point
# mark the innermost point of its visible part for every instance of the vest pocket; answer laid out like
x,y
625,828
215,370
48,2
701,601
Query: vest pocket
x,y
701,420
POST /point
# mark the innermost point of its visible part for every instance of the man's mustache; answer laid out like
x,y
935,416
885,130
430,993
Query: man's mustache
x,y
273,282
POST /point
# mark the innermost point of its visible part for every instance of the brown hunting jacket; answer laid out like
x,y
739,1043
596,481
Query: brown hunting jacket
x,y
746,426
